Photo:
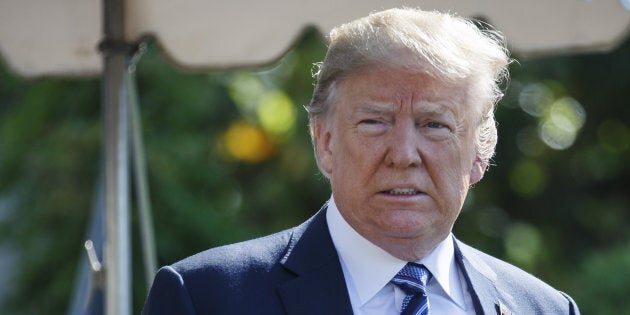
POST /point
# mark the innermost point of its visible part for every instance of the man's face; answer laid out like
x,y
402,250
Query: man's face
x,y
399,150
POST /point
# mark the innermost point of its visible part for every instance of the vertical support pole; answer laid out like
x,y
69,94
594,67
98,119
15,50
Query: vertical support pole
x,y
145,219
117,260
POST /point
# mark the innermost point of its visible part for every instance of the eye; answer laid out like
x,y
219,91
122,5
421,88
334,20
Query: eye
x,y
370,122
370,126
436,130
435,125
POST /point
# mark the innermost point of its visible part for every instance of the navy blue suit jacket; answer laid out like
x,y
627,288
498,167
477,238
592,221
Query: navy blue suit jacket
x,y
297,271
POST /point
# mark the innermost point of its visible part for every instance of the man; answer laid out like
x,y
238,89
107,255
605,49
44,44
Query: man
x,y
402,124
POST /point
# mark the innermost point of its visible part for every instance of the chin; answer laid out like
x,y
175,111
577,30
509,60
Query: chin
x,y
408,219
416,227
408,230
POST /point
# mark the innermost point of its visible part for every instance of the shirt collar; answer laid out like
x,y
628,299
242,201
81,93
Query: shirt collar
x,y
371,268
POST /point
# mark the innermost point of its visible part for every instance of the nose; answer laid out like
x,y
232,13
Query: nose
x,y
403,151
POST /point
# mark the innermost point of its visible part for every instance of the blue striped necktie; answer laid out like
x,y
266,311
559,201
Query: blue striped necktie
x,y
412,279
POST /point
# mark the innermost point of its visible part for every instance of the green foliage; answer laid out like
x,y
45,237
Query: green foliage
x,y
554,210
606,278
49,147
556,203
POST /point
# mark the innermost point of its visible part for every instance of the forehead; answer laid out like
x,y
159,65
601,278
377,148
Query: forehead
x,y
385,87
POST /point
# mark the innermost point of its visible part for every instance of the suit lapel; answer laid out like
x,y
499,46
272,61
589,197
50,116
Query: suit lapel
x,y
481,281
319,286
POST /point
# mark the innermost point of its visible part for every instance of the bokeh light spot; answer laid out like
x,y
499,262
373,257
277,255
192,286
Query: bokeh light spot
x,y
245,90
534,99
568,114
246,142
276,113
559,128
523,244
556,137
527,179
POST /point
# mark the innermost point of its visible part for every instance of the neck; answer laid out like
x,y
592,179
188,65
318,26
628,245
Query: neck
x,y
407,249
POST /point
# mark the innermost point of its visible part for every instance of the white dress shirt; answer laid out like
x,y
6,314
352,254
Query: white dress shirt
x,y
368,269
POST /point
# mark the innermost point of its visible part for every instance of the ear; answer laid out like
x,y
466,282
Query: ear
x,y
322,143
477,170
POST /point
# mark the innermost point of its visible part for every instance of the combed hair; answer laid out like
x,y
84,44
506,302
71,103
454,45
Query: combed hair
x,y
448,48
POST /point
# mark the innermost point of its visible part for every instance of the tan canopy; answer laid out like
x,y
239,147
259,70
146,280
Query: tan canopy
x,y
42,37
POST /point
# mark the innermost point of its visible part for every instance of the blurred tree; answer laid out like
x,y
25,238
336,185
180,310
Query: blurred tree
x,y
49,152
230,158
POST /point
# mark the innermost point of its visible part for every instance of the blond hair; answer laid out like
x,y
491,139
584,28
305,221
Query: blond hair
x,y
449,48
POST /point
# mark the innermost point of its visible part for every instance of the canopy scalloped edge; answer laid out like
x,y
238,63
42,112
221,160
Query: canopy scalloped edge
x,y
60,38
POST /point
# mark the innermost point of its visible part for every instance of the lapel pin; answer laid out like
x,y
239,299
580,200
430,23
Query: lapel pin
x,y
502,309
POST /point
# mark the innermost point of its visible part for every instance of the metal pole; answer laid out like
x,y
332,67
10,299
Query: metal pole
x,y
117,261
141,185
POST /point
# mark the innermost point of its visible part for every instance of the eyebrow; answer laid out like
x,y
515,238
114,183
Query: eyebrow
x,y
435,108
424,107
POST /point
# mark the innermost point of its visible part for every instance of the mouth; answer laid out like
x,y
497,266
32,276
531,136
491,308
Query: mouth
x,y
402,192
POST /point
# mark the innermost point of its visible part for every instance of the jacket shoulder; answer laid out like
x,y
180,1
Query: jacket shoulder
x,y
215,280
257,253
523,289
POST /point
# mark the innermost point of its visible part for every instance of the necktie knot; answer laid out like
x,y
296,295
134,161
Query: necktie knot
x,y
412,280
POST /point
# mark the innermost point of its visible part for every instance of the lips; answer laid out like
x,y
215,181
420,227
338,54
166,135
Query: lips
x,y
402,191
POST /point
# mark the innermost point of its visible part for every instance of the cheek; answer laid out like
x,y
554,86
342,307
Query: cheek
x,y
356,161
450,169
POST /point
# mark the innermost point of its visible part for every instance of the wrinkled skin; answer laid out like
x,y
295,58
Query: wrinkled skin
x,y
399,151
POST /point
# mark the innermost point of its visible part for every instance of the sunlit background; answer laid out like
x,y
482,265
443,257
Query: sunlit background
x,y
229,158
